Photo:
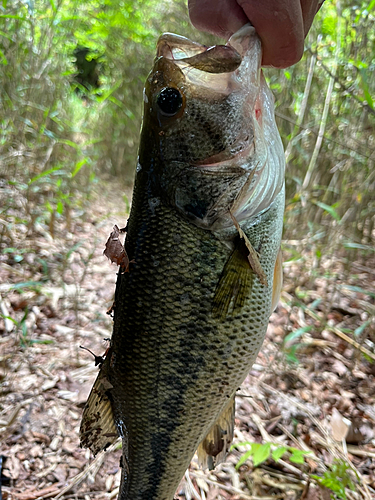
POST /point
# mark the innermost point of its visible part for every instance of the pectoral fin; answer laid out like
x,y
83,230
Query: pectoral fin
x,y
215,445
252,255
98,429
235,283
277,280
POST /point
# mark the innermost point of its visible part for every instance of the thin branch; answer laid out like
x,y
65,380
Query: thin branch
x,y
343,87
302,110
303,127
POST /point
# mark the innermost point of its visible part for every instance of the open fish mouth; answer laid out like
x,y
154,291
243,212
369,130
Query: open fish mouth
x,y
217,59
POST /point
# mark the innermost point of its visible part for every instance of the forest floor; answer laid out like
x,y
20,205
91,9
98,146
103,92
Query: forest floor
x,y
306,409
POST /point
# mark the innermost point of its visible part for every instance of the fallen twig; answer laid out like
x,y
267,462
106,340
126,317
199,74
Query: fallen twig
x,y
95,464
232,489
350,341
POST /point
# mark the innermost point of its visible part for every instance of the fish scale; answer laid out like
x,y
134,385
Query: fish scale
x,y
191,307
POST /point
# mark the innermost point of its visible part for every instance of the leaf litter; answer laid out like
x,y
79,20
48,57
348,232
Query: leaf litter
x,y
309,400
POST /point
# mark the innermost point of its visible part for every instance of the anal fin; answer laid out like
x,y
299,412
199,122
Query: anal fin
x,y
215,445
98,429
235,283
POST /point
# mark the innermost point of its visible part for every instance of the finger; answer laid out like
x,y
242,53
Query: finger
x,y
220,17
279,24
309,9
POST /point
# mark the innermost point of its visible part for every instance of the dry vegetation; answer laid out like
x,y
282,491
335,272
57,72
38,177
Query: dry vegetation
x,y
311,389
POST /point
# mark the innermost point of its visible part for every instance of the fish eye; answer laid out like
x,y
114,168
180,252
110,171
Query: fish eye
x,y
169,101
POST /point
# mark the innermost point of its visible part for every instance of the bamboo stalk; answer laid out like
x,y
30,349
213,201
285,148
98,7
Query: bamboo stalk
x,y
323,121
302,110
319,140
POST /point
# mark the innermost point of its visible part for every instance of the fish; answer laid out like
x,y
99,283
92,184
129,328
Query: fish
x,y
203,264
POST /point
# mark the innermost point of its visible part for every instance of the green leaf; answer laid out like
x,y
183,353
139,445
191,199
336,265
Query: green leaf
x,y
78,167
24,329
291,356
9,250
52,3
297,456
69,143
365,87
315,304
278,453
49,133
4,60
59,207
351,244
26,284
38,341
358,331
2,33
244,458
260,453
8,317
43,174
329,209
49,207
354,288
109,92
297,333
6,16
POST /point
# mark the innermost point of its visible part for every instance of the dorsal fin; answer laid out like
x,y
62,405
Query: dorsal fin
x,y
214,447
98,429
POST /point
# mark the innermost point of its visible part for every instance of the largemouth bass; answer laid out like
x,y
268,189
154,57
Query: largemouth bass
x,y
202,269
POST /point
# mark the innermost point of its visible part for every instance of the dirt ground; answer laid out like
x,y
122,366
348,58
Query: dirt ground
x,y
309,398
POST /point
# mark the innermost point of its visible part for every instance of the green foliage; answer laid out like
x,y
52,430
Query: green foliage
x,y
329,209
22,331
259,453
337,479
53,141
337,195
289,348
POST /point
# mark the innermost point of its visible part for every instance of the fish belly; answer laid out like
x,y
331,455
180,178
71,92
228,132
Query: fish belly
x,y
174,366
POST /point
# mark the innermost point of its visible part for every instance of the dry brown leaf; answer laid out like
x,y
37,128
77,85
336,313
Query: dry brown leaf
x,y
115,250
339,425
14,467
339,367
60,473
36,451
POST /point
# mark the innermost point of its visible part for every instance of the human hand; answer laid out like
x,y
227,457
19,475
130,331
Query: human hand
x,y
281,24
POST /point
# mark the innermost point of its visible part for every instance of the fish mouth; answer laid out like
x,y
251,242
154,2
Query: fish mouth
x,y
216,59
240,149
